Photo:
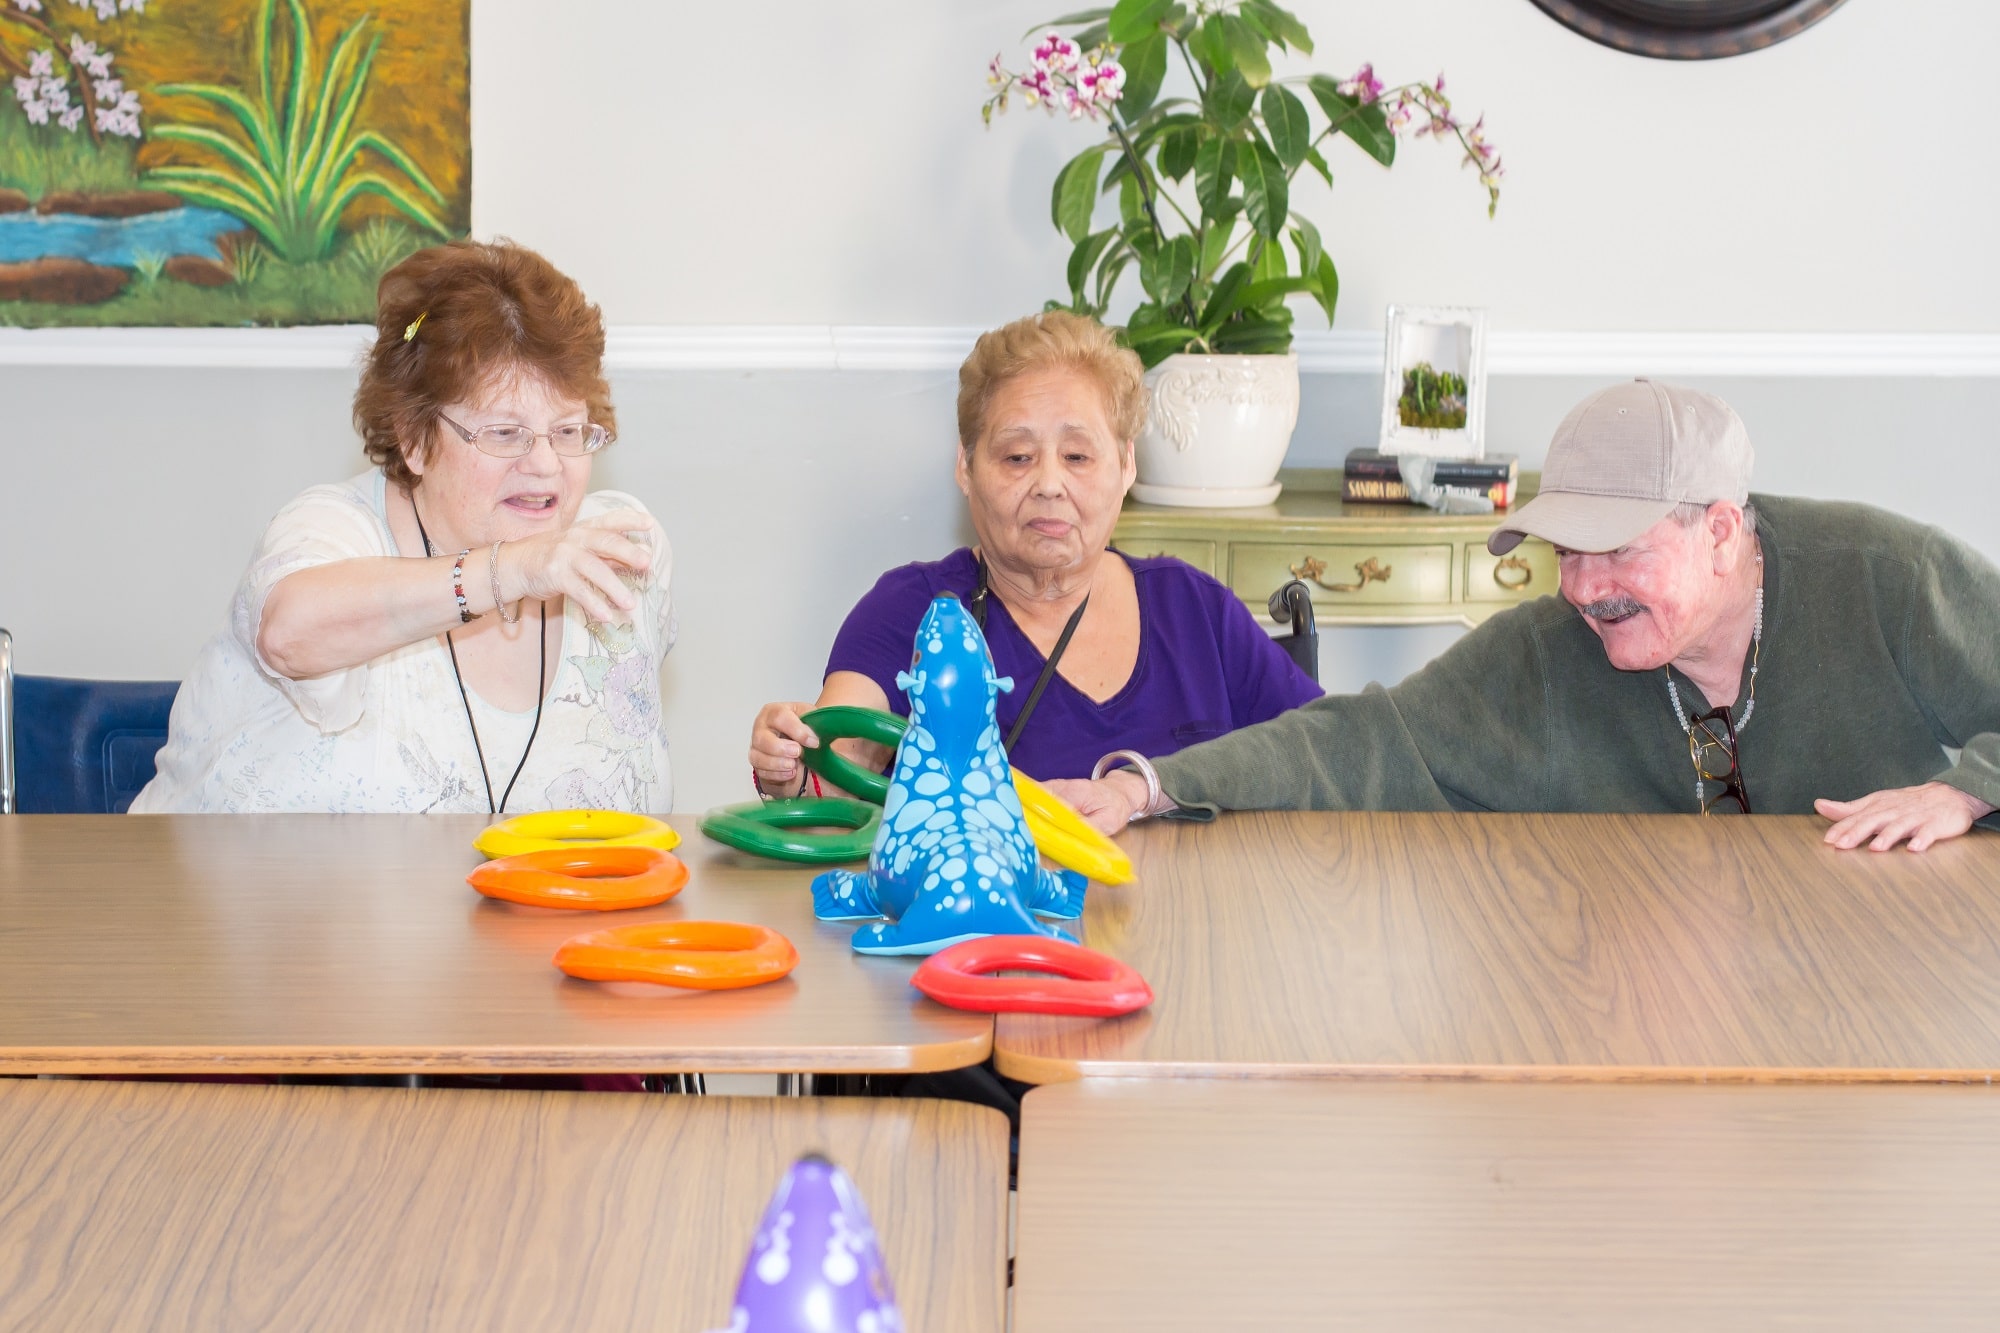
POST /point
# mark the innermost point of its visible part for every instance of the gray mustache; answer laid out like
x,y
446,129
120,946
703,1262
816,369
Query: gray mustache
x,y
1612,608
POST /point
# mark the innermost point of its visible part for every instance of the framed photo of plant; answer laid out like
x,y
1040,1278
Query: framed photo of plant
x,y
229,162
1434,382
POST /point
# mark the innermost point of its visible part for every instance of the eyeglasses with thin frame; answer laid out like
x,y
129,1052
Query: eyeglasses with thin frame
x,y
507,440
1712,748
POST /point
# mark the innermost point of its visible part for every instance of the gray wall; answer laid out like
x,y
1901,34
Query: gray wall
x,y
130,500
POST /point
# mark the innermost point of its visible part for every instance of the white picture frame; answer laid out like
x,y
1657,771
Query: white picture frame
x,y
1452,341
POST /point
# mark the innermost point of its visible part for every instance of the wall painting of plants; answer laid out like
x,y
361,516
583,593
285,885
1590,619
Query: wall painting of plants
x,y
225,162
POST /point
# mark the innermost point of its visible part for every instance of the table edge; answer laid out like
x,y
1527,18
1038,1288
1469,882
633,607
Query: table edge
x,y
1046,1070
928,1058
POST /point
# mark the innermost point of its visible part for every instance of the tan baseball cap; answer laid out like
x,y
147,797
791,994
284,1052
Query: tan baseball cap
x,y
1623,458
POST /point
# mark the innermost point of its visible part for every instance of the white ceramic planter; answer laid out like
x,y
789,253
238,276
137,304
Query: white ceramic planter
x,y
1217,428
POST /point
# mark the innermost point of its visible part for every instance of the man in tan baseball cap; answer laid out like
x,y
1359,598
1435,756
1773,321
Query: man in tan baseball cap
x,y
1863,645
1625,458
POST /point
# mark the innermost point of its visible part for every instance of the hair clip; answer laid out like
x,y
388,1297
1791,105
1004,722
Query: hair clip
x,y
415,324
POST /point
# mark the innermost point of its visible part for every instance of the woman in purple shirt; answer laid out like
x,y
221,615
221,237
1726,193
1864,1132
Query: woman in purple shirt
x,y
1151,654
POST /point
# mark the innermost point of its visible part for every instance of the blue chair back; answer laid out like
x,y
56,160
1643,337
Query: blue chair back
x,y
84,746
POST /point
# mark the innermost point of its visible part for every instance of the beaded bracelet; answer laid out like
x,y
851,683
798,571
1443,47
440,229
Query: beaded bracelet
x,y
465,612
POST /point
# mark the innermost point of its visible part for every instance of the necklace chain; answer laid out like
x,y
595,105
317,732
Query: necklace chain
x,y
1749,702
541,689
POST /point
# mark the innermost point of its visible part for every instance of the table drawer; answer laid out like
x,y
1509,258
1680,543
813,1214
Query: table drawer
x,y
1529,570
1200,554
1348,575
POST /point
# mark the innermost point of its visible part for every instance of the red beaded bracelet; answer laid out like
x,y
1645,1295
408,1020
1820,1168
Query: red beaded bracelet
x,y
465,612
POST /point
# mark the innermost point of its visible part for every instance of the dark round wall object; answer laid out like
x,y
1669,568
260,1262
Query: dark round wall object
x,y
1687,29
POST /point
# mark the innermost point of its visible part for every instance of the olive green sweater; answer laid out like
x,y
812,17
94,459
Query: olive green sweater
x,y
1881,648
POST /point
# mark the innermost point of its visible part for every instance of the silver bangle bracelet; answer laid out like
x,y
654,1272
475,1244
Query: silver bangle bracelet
x,y
493,575
1144,767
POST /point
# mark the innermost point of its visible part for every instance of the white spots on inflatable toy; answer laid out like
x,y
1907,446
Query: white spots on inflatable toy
x,y
849,1240
775,1263
952,820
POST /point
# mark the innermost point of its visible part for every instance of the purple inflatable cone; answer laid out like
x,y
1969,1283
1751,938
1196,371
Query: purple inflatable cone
x,y
814,1266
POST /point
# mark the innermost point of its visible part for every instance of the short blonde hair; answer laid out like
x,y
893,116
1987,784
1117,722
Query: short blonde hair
x,y
1053,340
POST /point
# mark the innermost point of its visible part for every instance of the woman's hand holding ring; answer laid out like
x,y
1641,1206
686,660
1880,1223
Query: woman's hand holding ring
x,y
777,739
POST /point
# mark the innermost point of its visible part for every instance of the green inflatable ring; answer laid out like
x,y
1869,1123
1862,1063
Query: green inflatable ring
x,y
762,829
844,722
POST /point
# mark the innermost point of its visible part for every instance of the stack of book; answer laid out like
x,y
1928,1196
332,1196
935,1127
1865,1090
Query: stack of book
x,y
1372,477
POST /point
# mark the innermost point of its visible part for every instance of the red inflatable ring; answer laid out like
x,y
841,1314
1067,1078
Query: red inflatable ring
x,y
699,955
1077,981
602,879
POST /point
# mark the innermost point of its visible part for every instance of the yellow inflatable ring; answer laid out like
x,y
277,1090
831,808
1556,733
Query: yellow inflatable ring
x,y
558,830
1067,838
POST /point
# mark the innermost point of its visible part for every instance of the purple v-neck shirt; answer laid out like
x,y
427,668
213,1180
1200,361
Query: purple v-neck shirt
x,y
1205,667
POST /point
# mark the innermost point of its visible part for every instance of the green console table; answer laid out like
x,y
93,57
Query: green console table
x,y
1365,564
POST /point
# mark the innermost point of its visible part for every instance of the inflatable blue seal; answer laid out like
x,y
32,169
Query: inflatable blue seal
x,y
954,859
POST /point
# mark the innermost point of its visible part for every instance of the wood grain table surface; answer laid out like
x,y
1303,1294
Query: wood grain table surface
x,y
172,1206
1537,946
352,944
1295,1204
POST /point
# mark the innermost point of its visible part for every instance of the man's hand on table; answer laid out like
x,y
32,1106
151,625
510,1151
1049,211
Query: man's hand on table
x,y
1921,815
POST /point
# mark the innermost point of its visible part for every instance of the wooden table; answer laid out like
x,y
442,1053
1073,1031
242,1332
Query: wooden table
x,y
1537,946
154,1206
352,944
1279,1204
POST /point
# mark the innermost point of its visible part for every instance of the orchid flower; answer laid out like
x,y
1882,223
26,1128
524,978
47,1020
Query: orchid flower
x,y
1362,85
1060,77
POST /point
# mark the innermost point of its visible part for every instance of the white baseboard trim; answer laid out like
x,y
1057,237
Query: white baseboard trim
x,y
728,347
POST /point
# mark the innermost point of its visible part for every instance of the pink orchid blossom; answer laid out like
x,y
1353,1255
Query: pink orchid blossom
x,y
1363,85
1101,81
1057,54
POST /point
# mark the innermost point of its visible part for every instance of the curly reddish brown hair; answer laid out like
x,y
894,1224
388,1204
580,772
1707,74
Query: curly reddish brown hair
x,y
488,309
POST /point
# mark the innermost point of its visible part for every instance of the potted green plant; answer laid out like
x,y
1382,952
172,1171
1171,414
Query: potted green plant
x,y
1203,180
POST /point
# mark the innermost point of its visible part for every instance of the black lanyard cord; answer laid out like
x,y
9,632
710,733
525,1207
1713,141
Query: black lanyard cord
x,y
978,606
541,688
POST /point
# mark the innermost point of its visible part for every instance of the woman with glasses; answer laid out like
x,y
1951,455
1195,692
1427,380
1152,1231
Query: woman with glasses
x,y
465,627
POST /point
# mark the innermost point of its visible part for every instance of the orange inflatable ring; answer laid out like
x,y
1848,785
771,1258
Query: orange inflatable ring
x,y
700,955
1076,980
602,879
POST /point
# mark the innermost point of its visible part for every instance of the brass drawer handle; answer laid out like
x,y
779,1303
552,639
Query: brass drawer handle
x,y
1369,570
1518,565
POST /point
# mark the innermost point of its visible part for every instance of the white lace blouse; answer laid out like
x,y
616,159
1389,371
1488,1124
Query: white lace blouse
x,y
391,734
